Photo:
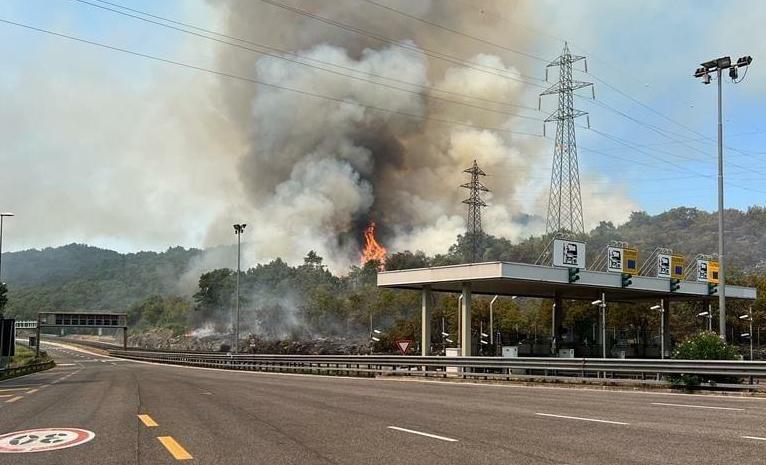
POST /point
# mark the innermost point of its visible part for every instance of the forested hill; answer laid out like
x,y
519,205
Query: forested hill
x,y
78,276
691,231
687,231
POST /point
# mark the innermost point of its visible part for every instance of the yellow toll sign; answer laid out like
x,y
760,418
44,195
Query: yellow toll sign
x,y
630,261
713,268
677,266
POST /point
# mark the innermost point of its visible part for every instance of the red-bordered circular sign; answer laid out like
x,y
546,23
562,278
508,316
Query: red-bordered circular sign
x,y
43,439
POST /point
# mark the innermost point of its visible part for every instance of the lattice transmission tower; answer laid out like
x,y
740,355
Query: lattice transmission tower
x,y
474,233
565,200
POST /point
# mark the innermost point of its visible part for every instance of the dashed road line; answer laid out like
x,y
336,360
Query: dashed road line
x,y
755,438
33,391
14,399
596,420
420,433
175,449
699,406
147,420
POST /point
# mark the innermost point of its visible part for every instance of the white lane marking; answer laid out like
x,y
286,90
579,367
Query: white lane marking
x,y
428,435
699,406
14,399
754,437
582,419
74,349
65,364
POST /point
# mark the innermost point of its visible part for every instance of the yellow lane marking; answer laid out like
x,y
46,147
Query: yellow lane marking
x,y
175,449
147,420
14,399
6,395
33,391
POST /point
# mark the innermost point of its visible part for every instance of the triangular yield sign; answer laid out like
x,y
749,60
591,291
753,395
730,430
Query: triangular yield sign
x,y
403,346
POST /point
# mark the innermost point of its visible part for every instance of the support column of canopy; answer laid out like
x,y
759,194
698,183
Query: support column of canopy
x,y
426,304
465,319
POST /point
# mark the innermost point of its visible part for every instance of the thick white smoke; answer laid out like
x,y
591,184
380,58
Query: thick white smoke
x,y
317,171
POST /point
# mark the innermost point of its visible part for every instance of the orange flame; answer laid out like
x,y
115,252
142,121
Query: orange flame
x,y
372,249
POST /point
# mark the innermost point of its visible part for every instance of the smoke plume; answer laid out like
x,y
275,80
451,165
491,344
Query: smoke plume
x,y
317,171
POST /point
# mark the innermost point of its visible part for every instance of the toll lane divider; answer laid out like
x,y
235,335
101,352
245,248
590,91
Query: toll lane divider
x,y
647,371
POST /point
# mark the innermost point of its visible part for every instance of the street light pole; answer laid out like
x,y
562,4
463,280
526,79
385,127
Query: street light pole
x,y
718,65
492,322
2,317
602,306
749,316
238,230
661,308
2,215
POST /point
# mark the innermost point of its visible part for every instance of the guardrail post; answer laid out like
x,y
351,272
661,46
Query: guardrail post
x,y
426,303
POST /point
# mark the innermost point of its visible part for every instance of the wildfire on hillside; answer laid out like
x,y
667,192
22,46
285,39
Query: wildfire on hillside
x,y
372,248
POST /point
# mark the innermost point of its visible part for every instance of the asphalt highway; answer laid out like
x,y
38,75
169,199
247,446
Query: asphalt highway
x,y
145,413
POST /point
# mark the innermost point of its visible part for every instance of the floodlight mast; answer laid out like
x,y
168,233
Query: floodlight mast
x,y
717,66
238,230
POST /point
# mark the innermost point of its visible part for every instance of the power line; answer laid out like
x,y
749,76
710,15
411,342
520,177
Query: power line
x,y
534,57
434,54
303,63
455,31
264,83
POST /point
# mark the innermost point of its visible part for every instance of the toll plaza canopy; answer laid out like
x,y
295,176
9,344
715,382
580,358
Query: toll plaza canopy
x,y
525,280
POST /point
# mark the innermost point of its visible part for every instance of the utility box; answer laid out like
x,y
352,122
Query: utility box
x,y
566,353
452,352
511,351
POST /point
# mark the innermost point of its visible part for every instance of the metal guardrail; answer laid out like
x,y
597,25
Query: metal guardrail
x,y
25,370
468,367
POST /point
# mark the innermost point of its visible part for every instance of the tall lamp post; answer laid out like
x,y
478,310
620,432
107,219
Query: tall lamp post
x,y
238,230
717,66
2,216
2,317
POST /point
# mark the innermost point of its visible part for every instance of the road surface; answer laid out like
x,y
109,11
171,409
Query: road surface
x,y
222,417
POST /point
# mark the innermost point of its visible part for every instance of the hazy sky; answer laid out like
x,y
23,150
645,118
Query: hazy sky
x,y
128,153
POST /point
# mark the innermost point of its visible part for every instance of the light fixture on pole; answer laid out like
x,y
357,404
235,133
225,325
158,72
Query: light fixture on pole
x,y
717,66
238,230
2,216
749,316
492,321
661,309
601,303
709,315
